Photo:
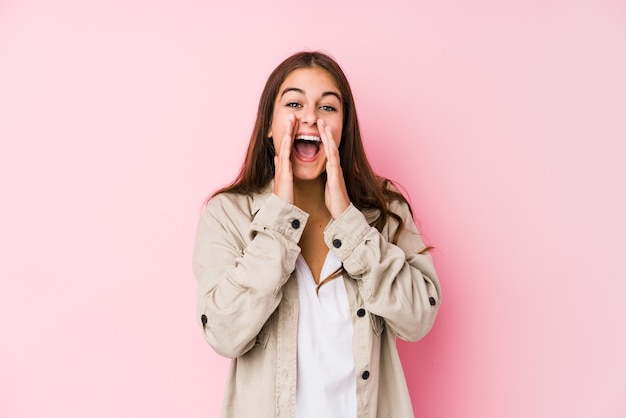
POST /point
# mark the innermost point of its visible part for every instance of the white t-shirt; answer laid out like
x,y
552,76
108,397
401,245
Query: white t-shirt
x,y
326,385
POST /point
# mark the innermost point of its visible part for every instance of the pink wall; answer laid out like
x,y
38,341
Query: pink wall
x,y
505,121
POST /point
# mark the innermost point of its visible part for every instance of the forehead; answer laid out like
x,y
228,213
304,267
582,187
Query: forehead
x,y
311,80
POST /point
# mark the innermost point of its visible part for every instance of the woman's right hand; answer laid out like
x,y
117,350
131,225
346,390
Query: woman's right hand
x,y
283,174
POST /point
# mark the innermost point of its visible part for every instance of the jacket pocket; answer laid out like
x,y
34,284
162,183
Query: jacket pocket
x,y
378,324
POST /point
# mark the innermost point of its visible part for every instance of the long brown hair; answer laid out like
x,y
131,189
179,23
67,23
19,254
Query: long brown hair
x,y
365,189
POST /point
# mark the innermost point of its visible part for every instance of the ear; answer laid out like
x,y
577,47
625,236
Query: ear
x,y
269,131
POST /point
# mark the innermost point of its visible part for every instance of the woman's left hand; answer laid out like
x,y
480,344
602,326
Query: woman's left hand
x,y
336,195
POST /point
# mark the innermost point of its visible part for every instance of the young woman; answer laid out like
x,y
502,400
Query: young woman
x,y
309,265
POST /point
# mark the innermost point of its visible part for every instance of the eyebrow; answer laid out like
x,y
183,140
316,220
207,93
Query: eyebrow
x,y
297,90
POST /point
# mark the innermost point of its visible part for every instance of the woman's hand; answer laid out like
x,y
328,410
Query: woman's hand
x,y
283,174
336,195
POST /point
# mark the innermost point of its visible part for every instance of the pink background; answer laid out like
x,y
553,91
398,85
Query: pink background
x,y
505,122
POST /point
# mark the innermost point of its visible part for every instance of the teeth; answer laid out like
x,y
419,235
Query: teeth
x,y
308,138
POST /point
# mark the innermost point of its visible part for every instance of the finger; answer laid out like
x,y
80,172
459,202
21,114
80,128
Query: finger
x,y
332,153
287,140
283,176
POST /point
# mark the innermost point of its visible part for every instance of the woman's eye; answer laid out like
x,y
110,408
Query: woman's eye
x,y
294,104
328,108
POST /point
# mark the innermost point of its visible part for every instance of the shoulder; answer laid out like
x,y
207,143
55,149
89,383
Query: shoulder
x,y
228,207
227,213
233,202
396,199
227,200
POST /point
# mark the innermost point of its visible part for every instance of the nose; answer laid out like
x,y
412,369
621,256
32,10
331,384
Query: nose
x,y
308,116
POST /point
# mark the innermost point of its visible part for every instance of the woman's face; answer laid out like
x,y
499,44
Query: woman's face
x,y
309,94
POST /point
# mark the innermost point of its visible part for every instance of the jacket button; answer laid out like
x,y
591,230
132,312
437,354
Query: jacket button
x,y
336,243
432,301
365,375
360,313
203,319
295,224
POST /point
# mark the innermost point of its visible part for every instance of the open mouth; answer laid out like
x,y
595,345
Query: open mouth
x,y
307,146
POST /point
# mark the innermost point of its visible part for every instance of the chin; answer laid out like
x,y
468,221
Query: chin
x,y
307,175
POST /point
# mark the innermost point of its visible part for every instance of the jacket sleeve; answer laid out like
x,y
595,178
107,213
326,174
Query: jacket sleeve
x,y
395,281
241,261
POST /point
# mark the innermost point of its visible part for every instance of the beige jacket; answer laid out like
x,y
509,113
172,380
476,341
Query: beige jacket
x,y
244,259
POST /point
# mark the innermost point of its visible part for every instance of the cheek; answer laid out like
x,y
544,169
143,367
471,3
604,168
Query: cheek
x,y
337,136
338,129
